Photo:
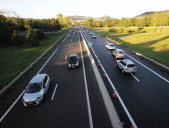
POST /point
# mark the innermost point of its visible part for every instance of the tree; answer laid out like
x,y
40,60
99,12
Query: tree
x,y
32,37
16,39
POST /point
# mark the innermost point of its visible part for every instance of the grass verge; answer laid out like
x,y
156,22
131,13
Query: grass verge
x,y
151,44
15,59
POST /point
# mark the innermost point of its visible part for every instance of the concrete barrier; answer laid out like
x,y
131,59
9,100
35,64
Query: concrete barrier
x,y
115,121
23,72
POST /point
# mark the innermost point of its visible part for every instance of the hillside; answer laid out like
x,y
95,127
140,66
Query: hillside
x,y
82,18
146,14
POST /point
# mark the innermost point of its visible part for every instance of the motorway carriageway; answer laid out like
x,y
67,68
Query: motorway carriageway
x,y
145,94
66,104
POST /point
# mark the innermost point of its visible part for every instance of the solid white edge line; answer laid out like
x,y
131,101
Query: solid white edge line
x,y
64,39
47,61
9,109
121,101
54,91
118,96
135,77
149,69
86,87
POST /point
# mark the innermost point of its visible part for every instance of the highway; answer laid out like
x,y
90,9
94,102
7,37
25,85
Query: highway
x,y
145,94
66,103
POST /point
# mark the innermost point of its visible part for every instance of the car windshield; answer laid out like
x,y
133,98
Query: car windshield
x,y
111,45
34,87
131,66
121,52
73,60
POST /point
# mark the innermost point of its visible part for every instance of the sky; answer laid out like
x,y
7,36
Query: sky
x,y
94,8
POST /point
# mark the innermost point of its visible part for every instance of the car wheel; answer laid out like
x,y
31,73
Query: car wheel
x,y
116,64
122,71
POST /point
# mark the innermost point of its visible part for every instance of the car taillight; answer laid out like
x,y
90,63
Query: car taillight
x,y
126,69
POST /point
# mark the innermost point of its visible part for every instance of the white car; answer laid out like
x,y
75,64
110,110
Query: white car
x,y
93,36
36,89
119,53
126,66
110,46
91,33
68,36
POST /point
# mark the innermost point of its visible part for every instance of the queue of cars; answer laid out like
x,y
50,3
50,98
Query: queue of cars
x,y
126,65
38,86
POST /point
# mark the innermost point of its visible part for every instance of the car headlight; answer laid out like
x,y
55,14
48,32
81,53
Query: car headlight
x,y
38,98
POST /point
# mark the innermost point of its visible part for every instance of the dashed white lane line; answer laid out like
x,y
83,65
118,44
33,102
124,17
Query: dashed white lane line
x,y
135,77
64,39
149,69
47,61
54,91
69,45
9,109
65,57
109,53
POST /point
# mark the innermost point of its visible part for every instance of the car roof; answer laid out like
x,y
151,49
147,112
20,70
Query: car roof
x,y
111,43
38,78
73,55
127,61
119,50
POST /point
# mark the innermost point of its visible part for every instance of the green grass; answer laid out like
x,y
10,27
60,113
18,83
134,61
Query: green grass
x,y
151,44
15,59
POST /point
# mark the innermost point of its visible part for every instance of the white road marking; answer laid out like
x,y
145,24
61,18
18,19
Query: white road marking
x,y
9,109
86,87
64,39
54,91
47,61
69,45
149,69
65,57
122,103
108,52
135,78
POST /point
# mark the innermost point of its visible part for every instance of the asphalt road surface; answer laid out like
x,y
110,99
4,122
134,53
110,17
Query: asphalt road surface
x,y
145,93
65,105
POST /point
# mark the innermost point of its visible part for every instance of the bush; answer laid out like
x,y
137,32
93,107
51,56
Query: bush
x,y
138,30
121,30
40,33
32,37
112,30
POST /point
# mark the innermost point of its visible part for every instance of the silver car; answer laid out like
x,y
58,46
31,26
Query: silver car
x,y
110,46
127,66
118,53
36,90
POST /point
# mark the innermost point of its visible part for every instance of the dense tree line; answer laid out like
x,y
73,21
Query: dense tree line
x,y
10,26
157,19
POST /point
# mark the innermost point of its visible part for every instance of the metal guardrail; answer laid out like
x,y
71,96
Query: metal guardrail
x,y
23,72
